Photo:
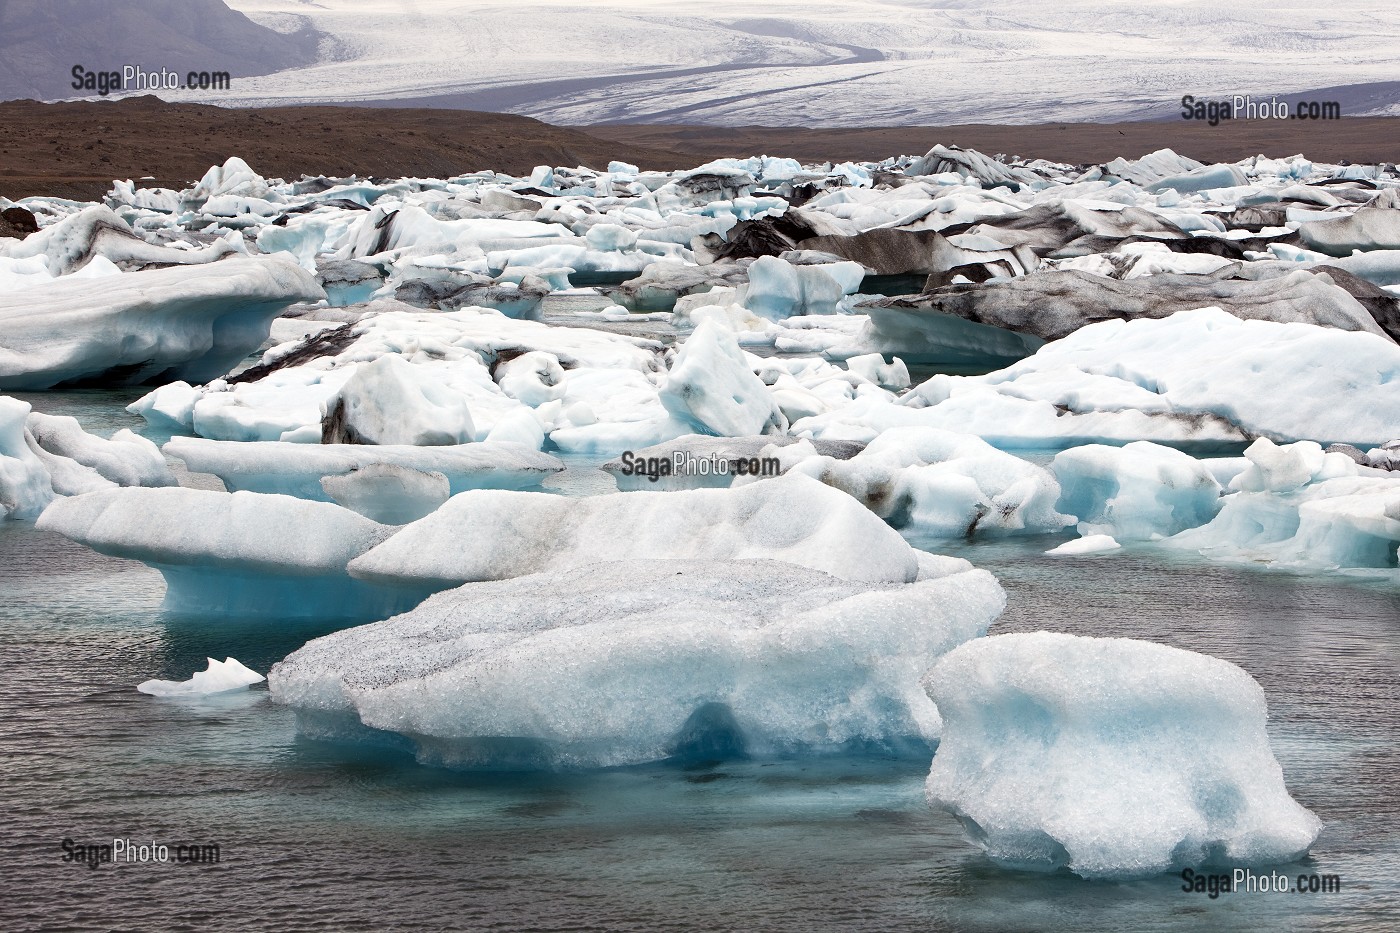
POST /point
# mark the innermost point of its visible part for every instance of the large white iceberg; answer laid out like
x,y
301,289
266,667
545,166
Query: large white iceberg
x,y
1201,376
1298,506
494,535
234,554
1111,757
621,662
184,322
298,469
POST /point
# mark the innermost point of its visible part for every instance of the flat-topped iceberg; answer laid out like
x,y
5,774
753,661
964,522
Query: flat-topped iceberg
x,y
298,469
622,662
235,554
493,535
1197,377
1111,757
185,322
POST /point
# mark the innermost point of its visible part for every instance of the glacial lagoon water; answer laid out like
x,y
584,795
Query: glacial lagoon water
x,y
321,836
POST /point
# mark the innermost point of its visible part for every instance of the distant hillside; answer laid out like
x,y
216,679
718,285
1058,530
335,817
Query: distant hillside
x,y
41,41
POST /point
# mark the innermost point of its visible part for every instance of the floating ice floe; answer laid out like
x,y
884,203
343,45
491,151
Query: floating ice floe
x,y
44,456
623,662
1136,492
1298,506
218,677
236,553
938,483
1199,377
1089,544
298,469
1110,757
184,322
491,535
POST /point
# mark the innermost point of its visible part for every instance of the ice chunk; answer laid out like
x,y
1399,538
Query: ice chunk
x,y
1197,376
97,235
25,488
621,662
190,322
1089,544
218,677
1111,757
1135,492
1302,507
388,401
240,553
713,388
943,484
127,459
490,535
297,469
388,494
534,378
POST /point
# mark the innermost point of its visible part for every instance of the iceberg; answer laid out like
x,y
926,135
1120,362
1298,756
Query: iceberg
x,y
1110,757
283,468
624,662
1200,377
1136,492
713,388
218,677
184,322
1297,506
940,483
232,553
1089,544
25,487
494,535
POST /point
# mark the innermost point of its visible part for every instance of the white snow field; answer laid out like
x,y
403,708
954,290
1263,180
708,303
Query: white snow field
x,y
622,662
1111,757
218,677
897,62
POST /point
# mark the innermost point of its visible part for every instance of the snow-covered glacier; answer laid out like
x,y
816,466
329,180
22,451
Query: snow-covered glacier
x,y
622,662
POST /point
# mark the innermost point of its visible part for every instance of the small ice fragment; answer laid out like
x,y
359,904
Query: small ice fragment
x,y
1089,544
219,677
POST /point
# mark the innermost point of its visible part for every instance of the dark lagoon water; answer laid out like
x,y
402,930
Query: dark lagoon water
x,y
321,836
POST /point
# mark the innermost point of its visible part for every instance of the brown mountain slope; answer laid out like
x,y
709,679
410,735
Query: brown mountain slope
x,y
76,149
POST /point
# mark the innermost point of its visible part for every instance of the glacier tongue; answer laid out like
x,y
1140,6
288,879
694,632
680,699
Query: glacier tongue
x,y
622,662
1111,757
